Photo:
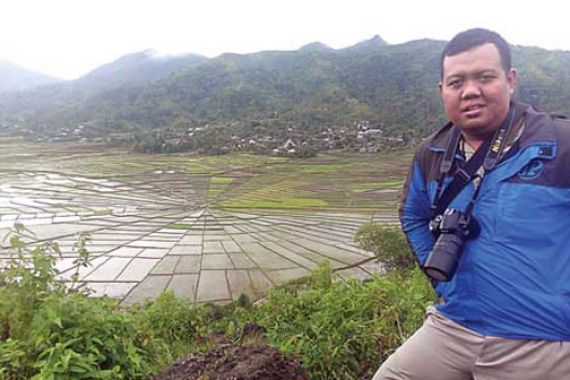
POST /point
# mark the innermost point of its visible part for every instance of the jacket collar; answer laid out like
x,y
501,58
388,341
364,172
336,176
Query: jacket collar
x,y
539,130
439,141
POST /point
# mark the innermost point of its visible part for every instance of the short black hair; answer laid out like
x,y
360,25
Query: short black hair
x,y
475,37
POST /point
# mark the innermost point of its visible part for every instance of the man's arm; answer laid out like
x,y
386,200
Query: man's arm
x,y
415,213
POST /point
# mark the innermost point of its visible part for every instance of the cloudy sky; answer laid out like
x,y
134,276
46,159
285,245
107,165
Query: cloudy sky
x,y
68,38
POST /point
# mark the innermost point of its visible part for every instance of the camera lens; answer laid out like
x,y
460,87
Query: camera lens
x,y
442,261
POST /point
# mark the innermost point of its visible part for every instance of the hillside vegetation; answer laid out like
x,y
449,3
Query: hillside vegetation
x,y
340,329
394,87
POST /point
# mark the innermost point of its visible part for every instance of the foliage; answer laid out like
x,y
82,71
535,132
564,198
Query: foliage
x,y
48,331
171,319
77,337
26,280
341,329
388,244
344,329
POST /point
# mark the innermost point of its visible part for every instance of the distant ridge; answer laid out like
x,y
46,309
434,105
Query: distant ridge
x,y
371,44
16,78
135,69
316,46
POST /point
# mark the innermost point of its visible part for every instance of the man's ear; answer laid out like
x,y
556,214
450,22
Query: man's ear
x,y
512,79
440,87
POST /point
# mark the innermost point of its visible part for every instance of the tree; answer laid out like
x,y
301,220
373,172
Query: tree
x,y
388,244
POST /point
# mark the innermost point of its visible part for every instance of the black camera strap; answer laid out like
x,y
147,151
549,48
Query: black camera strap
x,y
487,156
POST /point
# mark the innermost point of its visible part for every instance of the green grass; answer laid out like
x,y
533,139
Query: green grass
x,y
321,169
392,184
379,185
199,168
221,180
241,160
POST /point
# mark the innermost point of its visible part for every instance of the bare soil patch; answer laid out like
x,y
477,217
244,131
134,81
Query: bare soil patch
x,y
229,361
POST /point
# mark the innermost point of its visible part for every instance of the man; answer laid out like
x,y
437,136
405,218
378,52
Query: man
x,y
505,303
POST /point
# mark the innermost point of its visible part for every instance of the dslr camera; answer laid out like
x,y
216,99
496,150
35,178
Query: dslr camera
x,y
451,230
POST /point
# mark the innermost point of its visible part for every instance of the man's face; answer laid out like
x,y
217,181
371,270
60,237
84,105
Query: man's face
x,y
476,91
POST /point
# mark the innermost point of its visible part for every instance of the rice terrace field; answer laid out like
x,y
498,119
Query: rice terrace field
x,y
209,228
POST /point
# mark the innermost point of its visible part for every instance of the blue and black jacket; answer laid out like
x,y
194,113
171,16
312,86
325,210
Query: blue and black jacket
x,y
513,280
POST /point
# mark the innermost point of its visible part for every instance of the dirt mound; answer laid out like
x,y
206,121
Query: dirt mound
x,y
232,362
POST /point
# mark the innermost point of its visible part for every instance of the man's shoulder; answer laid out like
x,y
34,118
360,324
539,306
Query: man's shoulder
x,y
431,147
562,125
552,135
430,151
546,126
436,142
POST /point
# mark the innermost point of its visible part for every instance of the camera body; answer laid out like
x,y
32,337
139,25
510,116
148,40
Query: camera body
x,y
451,229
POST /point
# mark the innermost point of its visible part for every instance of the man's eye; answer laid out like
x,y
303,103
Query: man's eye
x,y
487,78
455,83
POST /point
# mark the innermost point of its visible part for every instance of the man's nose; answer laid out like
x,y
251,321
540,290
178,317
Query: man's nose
x,y
471,90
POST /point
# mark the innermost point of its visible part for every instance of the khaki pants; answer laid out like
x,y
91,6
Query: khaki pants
x,y
444,350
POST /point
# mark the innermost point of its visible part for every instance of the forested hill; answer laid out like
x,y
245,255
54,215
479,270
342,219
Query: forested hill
x,y
392,86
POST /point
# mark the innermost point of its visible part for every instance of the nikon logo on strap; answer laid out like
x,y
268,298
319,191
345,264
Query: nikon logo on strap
x,y
496,147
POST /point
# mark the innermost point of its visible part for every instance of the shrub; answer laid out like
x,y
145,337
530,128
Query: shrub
x,y
174,320
388,244
50,332
341,329
344,329
75,337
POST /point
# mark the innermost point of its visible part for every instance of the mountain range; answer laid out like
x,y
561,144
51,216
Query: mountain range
x,y
392,86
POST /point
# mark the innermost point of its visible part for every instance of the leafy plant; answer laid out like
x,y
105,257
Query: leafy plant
x,y
48,331
344,329
27,279
83,259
